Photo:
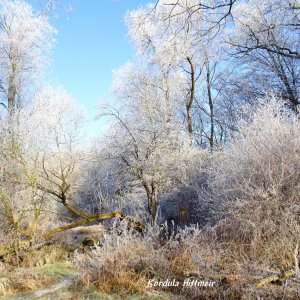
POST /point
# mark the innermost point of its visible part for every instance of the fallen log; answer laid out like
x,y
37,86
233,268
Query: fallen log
x,y
26,243
116,214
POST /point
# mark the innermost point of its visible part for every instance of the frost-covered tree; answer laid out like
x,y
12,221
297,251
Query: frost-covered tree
x,y
51,135
171,44
158,91
46,157
217,13
150,157
177,44
270,25
263,35
265,44
25,40
146,142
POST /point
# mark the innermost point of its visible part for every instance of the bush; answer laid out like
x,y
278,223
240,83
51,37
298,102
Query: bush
x,y
256,185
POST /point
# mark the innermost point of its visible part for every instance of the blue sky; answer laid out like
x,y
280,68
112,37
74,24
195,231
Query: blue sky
x,y
91,42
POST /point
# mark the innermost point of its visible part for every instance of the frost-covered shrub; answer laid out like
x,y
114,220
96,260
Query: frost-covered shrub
x,y
127,261
256,184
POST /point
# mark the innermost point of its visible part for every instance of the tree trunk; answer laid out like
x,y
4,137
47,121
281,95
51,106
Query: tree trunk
x,y
152,201
11,91
211,105
289,84
189,102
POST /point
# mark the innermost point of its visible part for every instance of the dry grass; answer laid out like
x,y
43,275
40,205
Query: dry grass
x,y
124,263
31,274
19,280
16,280
29,257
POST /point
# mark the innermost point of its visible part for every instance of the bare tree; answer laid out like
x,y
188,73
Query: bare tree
x,y
151,157
173,45
25,40
215,13
266,35
49,163
146,139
